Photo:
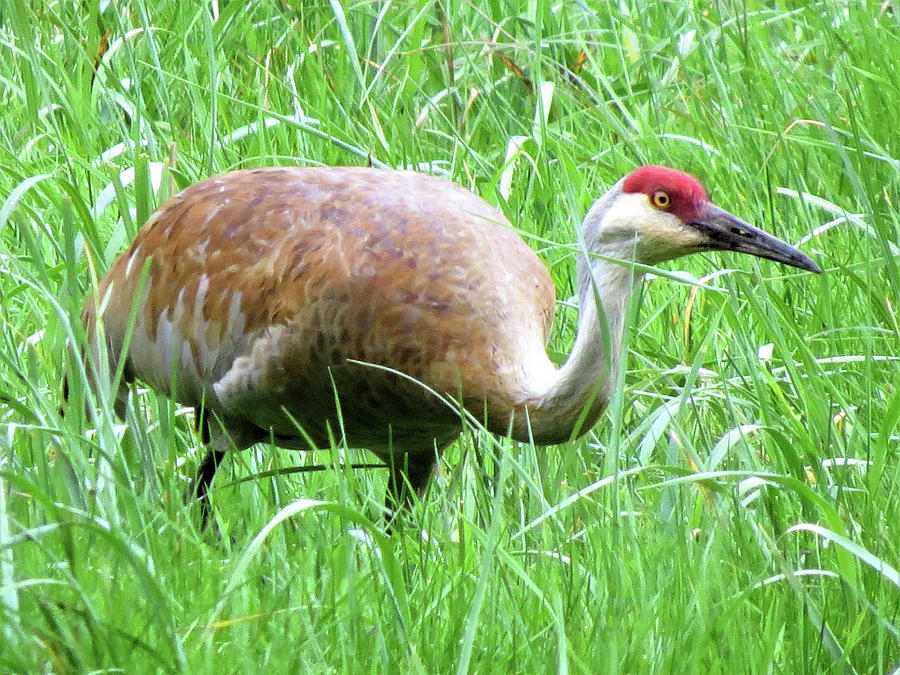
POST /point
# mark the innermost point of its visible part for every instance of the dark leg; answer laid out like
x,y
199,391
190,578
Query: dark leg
x,y
220,435
201,483
410,474
207,470
201,422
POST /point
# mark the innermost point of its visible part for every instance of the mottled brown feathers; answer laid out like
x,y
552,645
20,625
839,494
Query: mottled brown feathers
x,y
264,285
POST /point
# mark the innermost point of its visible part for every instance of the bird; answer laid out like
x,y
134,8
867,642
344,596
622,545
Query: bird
x,y
304,306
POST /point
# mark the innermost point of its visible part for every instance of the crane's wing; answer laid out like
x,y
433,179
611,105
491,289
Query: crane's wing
x,y
265,287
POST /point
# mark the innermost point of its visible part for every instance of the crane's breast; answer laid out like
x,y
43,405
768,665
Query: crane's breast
x,y
264,291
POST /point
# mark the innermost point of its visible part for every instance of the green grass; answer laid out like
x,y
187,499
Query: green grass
x,y
732,512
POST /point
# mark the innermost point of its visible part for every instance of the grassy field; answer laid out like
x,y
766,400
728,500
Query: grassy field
x,y
736,509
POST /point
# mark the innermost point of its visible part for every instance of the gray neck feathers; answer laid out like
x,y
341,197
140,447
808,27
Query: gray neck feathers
x,y
582,389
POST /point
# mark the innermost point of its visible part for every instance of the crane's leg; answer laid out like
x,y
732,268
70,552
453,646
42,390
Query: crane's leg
x,y
220,436
207,470
409,475
202,481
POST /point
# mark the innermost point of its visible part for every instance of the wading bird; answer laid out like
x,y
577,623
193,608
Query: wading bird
x,y
306,305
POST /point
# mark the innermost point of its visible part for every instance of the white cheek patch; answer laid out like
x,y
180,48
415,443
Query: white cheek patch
x,y
670,233
629,213
659,235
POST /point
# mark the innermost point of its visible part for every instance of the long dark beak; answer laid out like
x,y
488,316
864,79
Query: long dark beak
x,y
726,232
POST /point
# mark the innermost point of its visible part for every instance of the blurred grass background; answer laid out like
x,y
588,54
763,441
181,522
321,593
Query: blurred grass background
x,y
734,511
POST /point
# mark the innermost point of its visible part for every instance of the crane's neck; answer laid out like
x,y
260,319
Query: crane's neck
x,y
580,390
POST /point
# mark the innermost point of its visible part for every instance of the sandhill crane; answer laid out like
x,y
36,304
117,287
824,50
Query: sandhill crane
x,y
301,305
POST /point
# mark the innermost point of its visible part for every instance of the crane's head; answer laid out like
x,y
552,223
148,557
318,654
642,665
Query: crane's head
x,y
655,214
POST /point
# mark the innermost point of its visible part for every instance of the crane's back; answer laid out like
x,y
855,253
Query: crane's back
x,y
269,294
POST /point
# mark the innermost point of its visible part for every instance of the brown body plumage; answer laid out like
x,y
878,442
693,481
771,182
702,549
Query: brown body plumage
x,y
307,305
272,287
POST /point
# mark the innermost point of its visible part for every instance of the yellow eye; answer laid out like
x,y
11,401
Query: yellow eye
x,y
661,200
